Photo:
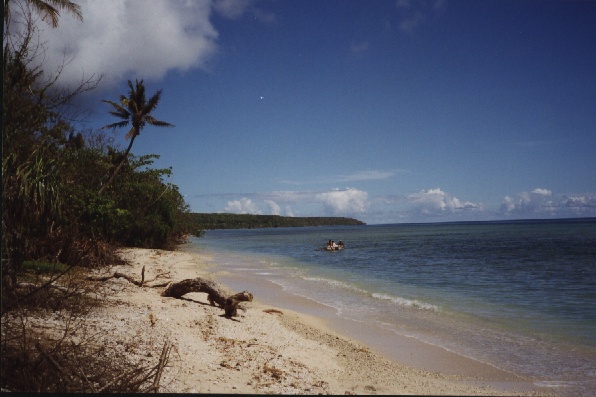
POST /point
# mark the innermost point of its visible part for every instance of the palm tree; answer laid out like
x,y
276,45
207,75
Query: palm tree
x,y
135,110
49,9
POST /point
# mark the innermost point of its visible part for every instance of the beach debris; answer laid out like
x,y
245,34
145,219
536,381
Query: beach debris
x,y
73,373
152,319
230,304
215,295
273,311
131,279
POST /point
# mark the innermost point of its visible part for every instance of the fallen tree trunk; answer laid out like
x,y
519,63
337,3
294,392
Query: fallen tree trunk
x,y
214,294
176,290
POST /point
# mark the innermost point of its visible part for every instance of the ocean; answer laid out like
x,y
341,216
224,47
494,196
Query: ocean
x,y
519,295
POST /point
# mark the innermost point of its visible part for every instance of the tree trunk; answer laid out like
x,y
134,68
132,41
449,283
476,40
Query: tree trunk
x,y
214,294
117,170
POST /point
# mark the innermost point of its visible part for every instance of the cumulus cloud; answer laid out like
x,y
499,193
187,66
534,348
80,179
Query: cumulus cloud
x,y
337,202
426,205
289,211
534,202
543,203
345,202
436,202
242,206
274,208
123,38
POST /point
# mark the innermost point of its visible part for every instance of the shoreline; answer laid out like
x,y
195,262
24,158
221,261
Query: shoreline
x,y
412,352
270,348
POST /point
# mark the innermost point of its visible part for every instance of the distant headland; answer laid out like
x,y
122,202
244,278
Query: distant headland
x,y
249,221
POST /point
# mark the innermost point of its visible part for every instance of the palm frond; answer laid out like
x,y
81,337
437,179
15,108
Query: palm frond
x,y
48,9
69,6
138,95
110,102
118,111
121,114
153,121
119,124
153,101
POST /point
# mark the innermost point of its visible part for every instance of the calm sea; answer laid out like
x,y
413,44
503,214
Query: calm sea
x,y
519,295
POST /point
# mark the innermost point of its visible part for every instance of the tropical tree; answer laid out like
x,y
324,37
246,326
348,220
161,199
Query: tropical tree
x,y
49,9
134,110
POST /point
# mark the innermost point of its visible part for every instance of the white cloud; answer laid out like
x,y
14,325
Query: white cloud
x,y
534,202
369,175
580,205
436,202
242,206
348,201
542,192
289,211
124,38
274,208
345,202
432,205
543,203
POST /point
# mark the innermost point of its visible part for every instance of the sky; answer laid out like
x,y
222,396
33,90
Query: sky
x,y
386,111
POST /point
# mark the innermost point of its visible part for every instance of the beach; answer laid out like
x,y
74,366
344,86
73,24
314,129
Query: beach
x,y
268,349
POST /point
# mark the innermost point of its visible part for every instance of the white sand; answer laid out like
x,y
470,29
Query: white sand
x,y
259,352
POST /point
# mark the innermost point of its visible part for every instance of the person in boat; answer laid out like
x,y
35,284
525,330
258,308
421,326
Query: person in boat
x,y
334,245
340,244
330,244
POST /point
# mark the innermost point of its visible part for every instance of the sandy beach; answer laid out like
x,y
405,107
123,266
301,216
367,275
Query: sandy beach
x,y
268,349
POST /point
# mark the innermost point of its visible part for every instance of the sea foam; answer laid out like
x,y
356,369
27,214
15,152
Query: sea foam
x,y
406,302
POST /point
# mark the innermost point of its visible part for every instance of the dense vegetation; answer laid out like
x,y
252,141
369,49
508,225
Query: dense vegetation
x,y
249,221
66,191
70,197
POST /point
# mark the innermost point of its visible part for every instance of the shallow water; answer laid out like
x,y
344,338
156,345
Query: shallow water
x,y
520,295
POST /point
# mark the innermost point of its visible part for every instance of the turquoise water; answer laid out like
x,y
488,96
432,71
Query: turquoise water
x,y
518,295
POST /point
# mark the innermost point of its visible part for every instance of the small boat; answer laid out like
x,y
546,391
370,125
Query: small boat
x,y
338,248
332,246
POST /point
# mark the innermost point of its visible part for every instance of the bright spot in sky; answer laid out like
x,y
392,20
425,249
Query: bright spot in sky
x,y
262,97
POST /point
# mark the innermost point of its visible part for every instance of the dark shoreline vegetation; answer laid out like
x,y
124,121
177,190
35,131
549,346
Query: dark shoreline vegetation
x,y
214,221
70,198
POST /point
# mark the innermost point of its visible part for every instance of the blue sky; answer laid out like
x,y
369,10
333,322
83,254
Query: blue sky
x,y
386,111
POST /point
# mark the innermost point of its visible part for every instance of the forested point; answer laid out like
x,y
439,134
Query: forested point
x,y
215,221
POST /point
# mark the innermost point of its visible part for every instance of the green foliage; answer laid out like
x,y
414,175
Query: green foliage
x,y
53,179
147,206
54,217
250,221
31,134
40,267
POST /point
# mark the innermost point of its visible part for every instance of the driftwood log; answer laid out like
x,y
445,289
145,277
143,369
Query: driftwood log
x,y
176,290
214,294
